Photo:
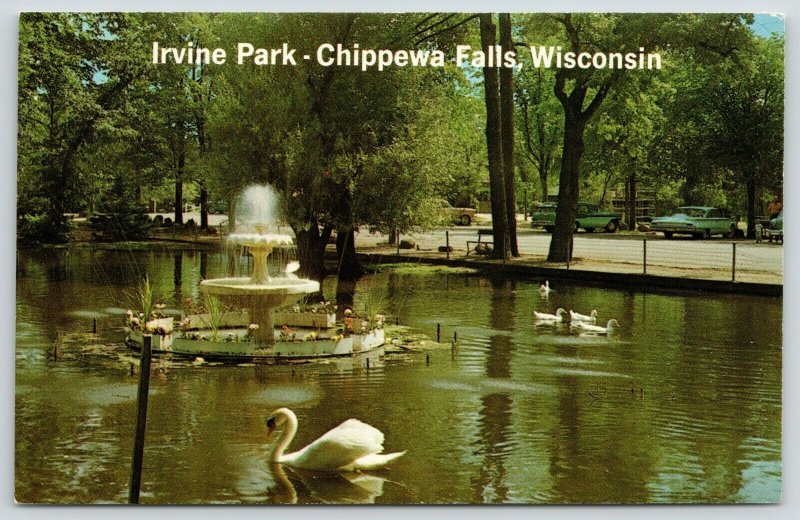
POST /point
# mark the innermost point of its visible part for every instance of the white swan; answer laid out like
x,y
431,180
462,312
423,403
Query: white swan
x,y
575,317
544,289
610,328
557,317
350,446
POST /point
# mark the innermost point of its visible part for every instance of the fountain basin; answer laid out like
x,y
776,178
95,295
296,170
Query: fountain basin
x,y
259,298
258,239
280,290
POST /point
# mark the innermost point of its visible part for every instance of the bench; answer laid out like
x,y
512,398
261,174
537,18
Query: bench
x,y
481,233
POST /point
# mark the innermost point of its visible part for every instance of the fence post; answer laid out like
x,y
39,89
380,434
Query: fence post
x,y
733,263
398,243
569,251
141,419
644,256
447,243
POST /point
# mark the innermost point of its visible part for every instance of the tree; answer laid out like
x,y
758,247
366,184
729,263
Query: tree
x,y
497,185
723,132
539,123
507,134
581,91
747,120
74,73
329,139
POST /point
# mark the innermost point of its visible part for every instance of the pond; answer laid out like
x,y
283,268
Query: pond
x,y
682,405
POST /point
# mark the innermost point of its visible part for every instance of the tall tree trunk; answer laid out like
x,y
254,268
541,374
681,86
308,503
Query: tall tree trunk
x,y
349,265
493,142
543,170
507,133
179,185
630,213
311,245
567,207
197,75
751,208
203,207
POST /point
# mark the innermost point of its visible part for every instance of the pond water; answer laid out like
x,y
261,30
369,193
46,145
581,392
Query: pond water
x,y
683,405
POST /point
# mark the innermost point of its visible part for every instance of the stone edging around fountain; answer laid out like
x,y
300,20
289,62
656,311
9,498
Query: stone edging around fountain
x,y
314,343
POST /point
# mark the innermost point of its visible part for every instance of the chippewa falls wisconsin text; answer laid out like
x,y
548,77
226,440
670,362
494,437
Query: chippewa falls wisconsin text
x,y
328,55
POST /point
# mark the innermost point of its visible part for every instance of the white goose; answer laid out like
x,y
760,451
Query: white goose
x,y
558,317
610,328
575,317
351,446
544,289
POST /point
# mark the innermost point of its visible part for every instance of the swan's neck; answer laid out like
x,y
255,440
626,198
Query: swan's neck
x,y
276,453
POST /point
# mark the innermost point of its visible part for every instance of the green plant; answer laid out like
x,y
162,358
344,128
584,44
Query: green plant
x,y
372,303
144,300
216,311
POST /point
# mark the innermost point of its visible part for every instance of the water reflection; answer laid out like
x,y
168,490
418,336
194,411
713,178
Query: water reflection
x,y
683,405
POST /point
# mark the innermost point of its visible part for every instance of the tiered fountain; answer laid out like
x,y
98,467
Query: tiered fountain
x,y
249,332
259,293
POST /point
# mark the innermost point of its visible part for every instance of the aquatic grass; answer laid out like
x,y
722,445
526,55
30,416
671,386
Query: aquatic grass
x,y
216,312
143,299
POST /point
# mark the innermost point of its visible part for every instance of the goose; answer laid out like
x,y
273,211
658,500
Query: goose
x,y
544,289
351,446
610,328
574,316
557,317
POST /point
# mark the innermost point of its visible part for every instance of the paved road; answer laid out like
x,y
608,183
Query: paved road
x,y
688,253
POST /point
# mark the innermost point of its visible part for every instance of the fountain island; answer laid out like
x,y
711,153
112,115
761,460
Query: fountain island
x,y
244,325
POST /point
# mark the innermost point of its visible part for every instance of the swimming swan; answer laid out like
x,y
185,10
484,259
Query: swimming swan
x,y
557,317
544,289
350,446
574,316
610,328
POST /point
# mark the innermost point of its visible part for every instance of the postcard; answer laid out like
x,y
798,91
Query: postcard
x,y
399,258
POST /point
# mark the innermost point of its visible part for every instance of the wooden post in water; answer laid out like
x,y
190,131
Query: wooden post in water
x,y
447,243
438,332
94,325
141,419
733,263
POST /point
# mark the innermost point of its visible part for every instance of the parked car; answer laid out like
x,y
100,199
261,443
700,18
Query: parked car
x,y
589,217
462,216
698,221
775,230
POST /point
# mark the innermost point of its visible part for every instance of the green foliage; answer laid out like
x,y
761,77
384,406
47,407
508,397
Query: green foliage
x,y
42,229
143,300
216,311
100,130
